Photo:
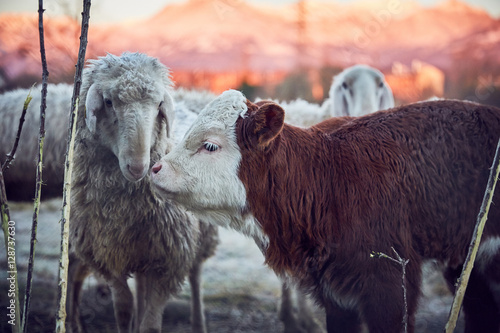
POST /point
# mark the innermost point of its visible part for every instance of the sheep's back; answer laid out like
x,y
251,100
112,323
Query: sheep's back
x,y
20,178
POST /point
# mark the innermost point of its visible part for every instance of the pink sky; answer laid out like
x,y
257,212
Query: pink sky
x,y
117,10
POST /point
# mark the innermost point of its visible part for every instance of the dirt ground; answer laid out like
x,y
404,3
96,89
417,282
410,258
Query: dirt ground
x,y
240,293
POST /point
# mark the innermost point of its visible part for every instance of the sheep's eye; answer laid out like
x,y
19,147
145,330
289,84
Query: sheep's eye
x,y
108,102
160,112
344,85
210,146
380,84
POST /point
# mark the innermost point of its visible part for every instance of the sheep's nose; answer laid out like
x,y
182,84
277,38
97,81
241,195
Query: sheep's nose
x,y
156,167
137,170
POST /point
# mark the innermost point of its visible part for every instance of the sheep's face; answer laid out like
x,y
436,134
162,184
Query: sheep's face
x,y
359,91
129,116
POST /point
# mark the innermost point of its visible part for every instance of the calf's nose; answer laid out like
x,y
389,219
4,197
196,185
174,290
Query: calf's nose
x,y
156,167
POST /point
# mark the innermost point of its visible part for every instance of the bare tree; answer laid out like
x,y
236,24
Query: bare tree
x,y
38,188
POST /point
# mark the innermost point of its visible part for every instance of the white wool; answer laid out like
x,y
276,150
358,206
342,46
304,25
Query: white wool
x,y
302,113
226,108
184,118
193,100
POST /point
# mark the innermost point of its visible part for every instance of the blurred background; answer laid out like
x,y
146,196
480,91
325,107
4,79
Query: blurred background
x,y
282,49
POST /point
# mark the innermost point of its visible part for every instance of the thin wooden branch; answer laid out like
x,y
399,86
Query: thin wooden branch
x,y
12,154
66,209
9,232
474,244
41,140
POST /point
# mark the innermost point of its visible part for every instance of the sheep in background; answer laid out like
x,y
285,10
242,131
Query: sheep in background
x,y
20,178
303,113
359,90
356,91
188,103
193,100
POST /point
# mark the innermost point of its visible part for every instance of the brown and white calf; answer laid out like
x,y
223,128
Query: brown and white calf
x,y
323,199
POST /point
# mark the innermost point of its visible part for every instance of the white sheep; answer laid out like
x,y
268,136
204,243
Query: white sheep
x,y
356,91
118,226
20,177
359,90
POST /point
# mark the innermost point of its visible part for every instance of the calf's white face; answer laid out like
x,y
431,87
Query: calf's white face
x,y
201,172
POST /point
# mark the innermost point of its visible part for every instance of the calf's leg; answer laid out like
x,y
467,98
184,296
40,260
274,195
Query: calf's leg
x,y
341,320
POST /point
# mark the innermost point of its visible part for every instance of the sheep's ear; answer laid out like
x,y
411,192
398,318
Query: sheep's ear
x,y
339,105
93,103
269,119
386,98
167,107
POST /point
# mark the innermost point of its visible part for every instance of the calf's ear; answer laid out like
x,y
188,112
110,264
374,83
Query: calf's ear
x,y
269,119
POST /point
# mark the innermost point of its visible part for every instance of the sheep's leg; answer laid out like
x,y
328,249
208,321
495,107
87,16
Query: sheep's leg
x,y
306,317
288,311
197,312
155,295
140,281
77,272
123,303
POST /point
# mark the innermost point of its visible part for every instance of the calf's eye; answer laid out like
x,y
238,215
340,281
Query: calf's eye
x,y
210,146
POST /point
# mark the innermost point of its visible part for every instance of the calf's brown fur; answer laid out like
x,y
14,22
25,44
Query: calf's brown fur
x,y
410,178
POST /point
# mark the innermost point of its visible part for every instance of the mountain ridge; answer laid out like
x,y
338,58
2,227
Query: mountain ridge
x,y
234,35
